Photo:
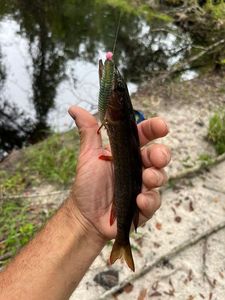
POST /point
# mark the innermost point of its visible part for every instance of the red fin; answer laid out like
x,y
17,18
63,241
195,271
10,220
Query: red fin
x,y
112,215
105,157
122,251
136,220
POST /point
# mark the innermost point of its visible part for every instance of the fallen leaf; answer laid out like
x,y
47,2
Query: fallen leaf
x,y
177,219
170,293
158,226
177,204
166,263
191,208
128,288
142,295
216,199
155,285
155,294
116,294
156,245
190,275
174,210
170,282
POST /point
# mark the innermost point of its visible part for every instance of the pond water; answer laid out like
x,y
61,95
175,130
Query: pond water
x,y
49,52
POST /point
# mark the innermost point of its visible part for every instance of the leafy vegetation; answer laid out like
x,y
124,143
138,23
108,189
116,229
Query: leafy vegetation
x,y
50,161
18,224
216,9
11,183
216,131
53,159
205,158
135,7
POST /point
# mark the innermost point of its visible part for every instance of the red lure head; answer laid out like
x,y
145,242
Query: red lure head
x,y
109,55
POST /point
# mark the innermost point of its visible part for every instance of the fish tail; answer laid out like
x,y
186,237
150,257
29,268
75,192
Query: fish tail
x,y
120,250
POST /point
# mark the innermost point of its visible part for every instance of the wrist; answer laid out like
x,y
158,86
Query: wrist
x,y
81,226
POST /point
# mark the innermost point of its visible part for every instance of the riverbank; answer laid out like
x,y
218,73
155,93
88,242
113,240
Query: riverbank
x,y
43,173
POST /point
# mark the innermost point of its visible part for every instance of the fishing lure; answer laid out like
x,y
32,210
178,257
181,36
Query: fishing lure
x,y
106,78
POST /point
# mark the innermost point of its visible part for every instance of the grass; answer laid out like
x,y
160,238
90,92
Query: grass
x,y
205,158
216,131
11,183
52,161
18,223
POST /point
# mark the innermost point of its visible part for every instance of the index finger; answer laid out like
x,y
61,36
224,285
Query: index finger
x,y
151,129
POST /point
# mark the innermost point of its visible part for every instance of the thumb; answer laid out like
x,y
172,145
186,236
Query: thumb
x,y
88,127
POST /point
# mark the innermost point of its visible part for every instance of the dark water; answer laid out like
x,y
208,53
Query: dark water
x,y
49,53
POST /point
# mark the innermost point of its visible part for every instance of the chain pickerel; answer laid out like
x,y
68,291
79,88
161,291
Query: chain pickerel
x,y
117,115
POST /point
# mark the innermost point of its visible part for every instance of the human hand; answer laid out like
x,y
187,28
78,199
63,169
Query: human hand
x,y
92,192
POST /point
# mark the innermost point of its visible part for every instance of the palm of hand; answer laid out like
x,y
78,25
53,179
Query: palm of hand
x,y
93,190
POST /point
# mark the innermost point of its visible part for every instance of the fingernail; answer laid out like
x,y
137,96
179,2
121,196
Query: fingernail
x,y
71,114
167,155
158,176
166,124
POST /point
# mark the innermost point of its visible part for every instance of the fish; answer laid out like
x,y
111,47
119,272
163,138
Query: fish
x,y
118,117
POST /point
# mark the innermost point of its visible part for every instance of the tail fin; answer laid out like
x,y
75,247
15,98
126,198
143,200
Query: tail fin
x,y
122,251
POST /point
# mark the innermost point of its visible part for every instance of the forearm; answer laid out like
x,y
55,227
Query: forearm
x,y
53,263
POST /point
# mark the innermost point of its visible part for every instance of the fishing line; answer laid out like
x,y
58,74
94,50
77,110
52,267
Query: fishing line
x,y
117,32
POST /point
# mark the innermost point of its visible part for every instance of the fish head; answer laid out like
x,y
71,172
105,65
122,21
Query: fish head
x,y
119,105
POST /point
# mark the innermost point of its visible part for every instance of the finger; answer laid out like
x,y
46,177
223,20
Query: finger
x,y
151,129
153,178
156,155
88,127
148,203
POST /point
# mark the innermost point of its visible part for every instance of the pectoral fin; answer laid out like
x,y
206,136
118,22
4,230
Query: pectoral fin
x,y
106,157
112,215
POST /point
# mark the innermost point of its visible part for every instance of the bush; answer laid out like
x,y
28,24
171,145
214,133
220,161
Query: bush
x,y
216,131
